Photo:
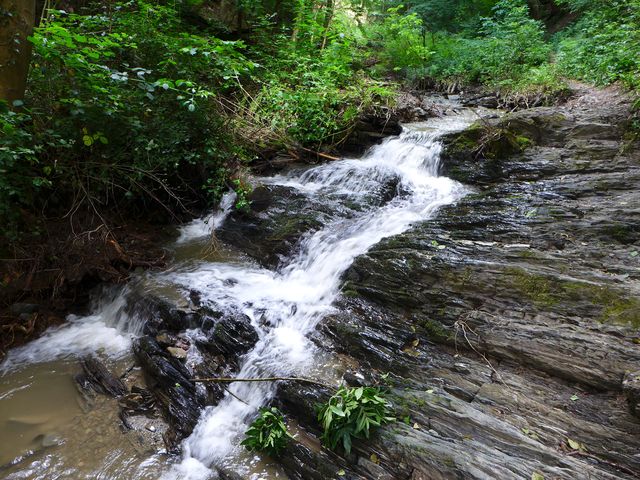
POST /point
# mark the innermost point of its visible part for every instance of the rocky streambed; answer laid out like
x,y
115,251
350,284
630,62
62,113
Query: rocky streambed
x,y
483,267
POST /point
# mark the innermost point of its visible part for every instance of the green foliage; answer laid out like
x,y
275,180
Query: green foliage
x,y
400,39
17,155
353,413
604,45
505,50
267,433
309,95
497,43
121,110
140,103
451,15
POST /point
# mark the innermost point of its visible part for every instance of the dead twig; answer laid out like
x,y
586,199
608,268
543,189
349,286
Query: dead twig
x,y
461,325
266,379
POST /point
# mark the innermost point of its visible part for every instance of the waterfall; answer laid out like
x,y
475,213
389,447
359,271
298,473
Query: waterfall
x,y
286,304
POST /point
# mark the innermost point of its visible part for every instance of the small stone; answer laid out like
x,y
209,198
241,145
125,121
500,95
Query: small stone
x,y
177,352
631,388
151,428
461,367
51,440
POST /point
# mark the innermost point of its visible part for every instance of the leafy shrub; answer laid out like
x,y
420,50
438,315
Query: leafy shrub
x,y
17,156
120,112
267,433
604,45
402,40
311,98
504,50
353,413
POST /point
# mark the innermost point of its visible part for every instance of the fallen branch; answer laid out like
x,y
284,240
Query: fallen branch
x,y
320,154
267,379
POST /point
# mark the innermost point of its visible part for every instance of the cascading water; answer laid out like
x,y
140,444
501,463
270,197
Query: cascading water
x,y
284,305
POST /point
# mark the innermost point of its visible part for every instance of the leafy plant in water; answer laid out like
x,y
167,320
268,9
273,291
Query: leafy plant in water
x,y
267,433
353,413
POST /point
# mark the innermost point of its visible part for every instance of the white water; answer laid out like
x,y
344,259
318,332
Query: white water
x,y
203,227
284,305
292,300
109,330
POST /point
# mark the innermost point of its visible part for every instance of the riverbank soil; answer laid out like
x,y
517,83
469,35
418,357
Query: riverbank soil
x,y
44,282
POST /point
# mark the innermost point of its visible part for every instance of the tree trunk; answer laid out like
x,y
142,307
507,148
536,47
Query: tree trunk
x,y
328,16
17,18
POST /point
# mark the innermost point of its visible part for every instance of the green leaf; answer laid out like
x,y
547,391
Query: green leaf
x,y
267,433
346,443
358,393
537,476
87,140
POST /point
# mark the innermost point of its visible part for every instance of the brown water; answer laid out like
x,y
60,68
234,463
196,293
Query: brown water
x,y
49,430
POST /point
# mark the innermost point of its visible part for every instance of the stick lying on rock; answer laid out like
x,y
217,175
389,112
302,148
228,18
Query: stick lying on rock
x,y
267,379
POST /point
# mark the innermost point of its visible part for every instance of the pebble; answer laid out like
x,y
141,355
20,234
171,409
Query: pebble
x,y
177,352
51,440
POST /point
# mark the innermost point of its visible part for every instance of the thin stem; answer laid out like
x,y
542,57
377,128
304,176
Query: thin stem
x,y
267,379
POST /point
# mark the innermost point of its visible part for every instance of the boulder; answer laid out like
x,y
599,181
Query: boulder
x,y
173,388
277,219
231,336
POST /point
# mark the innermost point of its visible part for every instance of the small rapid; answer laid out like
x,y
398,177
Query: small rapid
x,y
284,304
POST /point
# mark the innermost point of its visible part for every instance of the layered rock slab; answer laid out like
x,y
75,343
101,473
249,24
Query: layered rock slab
x,y
510,321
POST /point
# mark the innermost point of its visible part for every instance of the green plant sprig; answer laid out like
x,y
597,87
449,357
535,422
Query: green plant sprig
x,y
353,413
267,433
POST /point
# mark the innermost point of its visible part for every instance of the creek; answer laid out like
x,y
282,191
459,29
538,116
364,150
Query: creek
x,y
47,429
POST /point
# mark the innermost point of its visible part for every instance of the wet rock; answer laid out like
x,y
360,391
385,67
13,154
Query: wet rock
x,y
300,462
370,130
166,339
631,388
486,100
49,440
173,388
177,352
509,320
231,336
97,377
138,402
300,401
161,315
278,217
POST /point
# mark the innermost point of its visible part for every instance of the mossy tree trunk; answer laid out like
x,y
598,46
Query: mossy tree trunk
x,y
17,19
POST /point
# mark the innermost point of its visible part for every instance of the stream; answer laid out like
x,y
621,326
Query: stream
x,y
46,429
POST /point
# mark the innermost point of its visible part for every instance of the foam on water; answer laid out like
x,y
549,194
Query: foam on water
x,y
284,305
108,330
204,226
